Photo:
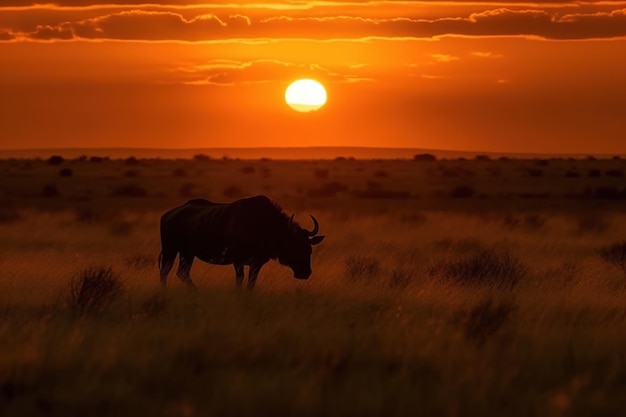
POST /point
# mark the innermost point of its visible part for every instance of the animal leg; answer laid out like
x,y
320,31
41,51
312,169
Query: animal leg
x,y
184,267
166,262
253,273
238,274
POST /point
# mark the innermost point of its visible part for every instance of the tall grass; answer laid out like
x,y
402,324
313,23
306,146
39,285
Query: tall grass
x,y
415,306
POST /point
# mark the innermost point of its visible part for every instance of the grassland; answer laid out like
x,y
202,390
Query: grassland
x,y
451,287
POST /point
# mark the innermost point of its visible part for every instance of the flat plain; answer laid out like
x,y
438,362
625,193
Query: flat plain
x,y
443,287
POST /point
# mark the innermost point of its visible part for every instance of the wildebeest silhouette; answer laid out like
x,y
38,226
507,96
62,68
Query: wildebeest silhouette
x,y
249,231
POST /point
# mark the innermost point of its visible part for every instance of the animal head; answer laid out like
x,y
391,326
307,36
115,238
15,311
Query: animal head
x,y
296,249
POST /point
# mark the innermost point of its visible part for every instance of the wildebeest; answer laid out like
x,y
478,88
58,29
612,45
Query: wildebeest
x,y
249,231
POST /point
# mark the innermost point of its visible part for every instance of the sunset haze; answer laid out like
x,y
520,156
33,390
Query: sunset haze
x,y
493,76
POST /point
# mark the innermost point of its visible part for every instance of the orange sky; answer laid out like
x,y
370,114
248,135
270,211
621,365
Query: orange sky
x,y
507,76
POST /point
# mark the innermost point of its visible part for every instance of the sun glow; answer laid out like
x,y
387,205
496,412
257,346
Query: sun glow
x,y
305,95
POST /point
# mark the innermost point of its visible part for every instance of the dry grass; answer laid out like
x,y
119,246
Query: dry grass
x,y
429,305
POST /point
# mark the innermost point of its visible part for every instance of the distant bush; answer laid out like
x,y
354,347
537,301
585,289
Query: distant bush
x,y
131,160
93,290
594,172
55,160
615,254
483,320
121,228
424,157
572,174
534,222
462,191
321,173
85,215
186,190
130,190
491,268
379,193
401,278
381,174
49,190
96,159
329,189
232,191
201,157
248,169
456,172
534,172
592,224
482,158
66,172
614,172
9,215
608,192
542,162
132,173
179,172
361,268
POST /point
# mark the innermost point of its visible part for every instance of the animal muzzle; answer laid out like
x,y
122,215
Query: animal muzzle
x,y
302,274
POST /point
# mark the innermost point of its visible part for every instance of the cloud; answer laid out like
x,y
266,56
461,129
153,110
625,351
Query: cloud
x,y
480,54
229,72
150,25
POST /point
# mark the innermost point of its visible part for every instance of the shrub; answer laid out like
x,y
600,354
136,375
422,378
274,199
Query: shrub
x,y
201,157
131,160
379,193
594,172
360,267
493,268
615,254
482,158
179,172
534,172
132,173
424,157
232,191
130,190
381,174
9,215
592,224
56,160
614,172
85,215
49,190
542,162
121,228
66,172
400,278
186,190
329,189
321,173
96,159
572,174
608,192
93,289
534,221
462,191
456,172
248,169
483,320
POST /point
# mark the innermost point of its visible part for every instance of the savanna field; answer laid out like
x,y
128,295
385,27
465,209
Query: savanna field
x,y
457,287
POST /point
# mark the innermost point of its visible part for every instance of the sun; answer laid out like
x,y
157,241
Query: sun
x,y
305,95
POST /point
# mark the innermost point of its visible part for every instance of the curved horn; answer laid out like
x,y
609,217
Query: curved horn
x,y
316,226
291,221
